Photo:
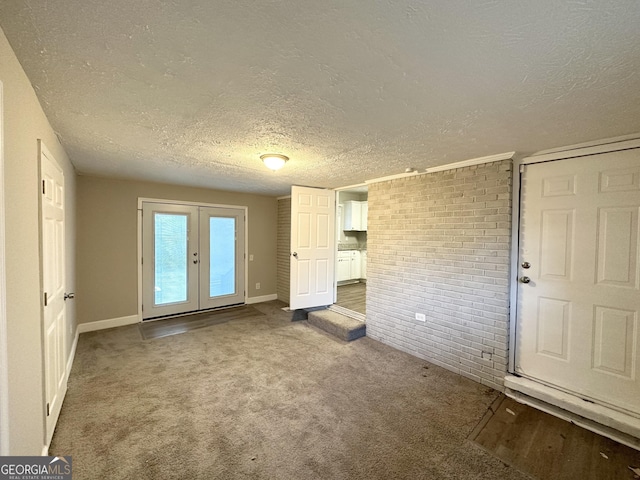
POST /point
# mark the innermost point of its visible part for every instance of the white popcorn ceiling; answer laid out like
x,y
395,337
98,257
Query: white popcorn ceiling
x,y
194,91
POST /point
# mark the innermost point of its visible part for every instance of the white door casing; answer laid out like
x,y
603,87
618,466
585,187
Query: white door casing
x,y
577,327
312,247
4,374
53,282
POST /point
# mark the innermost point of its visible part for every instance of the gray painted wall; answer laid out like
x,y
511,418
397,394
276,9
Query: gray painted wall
x,y
284,248
108,241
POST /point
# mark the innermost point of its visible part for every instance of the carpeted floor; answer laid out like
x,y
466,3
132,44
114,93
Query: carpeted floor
x,y
267,398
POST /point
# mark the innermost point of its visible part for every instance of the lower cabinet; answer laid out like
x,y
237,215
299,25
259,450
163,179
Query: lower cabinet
x,y
344,268
349,265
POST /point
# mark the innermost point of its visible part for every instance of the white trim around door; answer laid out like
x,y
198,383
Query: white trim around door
x,y
622,426
244,241
4,376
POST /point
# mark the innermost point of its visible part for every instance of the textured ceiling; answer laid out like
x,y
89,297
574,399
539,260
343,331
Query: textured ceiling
x,y
193,91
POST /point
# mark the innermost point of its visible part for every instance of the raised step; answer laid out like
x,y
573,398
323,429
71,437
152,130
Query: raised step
x,y
341,326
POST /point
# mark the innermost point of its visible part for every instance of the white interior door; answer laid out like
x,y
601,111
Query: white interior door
x,y
222,257
312,247
577,326
53,282
193,258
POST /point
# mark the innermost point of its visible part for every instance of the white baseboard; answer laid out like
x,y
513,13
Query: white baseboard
x,y
263,298
109,323
72,355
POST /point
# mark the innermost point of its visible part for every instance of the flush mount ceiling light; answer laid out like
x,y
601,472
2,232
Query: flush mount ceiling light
x,y
274,161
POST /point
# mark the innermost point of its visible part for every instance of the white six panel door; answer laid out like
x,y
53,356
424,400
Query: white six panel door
x,y
577,326
312,247
53,282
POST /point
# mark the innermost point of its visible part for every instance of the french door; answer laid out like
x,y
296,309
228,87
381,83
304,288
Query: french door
x,y
192,258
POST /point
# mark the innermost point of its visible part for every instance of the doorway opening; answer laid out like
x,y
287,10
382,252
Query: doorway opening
x,y
351,246
192,257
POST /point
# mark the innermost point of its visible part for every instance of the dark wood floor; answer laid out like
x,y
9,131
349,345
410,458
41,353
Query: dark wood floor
x,y
550,448
175,325
353,297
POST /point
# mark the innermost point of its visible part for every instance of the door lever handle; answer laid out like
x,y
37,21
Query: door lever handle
x,y
69,296
295,254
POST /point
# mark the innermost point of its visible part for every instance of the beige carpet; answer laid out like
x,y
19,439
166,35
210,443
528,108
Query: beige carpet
x,y
267,398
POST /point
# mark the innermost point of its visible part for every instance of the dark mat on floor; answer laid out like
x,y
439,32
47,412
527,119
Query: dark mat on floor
x,y
185,323
549,448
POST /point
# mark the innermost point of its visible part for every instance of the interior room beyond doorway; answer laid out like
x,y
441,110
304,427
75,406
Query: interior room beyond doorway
x,y
351,233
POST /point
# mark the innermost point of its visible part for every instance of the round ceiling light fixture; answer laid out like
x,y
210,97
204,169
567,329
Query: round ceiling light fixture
x,y
274,161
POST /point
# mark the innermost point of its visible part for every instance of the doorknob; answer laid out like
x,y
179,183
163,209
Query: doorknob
x,y
526,265
525,279
69,296
295,254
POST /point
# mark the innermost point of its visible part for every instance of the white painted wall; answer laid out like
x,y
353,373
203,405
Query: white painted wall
x,y
24,124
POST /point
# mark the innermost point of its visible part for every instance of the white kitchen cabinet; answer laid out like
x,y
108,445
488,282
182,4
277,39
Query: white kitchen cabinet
x,y
355,265
344,266
355,215
348,265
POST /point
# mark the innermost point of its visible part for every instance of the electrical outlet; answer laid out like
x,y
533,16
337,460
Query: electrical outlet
x,y
487,355
421,317
258,286
251,257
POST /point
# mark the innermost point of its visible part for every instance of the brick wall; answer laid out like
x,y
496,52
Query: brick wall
x,y
439,244
284,248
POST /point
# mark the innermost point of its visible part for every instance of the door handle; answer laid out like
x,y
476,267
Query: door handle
x,y
525,279
295,254
69,296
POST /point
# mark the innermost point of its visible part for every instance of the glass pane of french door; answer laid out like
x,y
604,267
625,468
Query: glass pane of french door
x,y
169,260
222,250
171,257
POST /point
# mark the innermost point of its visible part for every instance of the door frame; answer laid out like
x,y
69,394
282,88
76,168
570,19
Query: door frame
x,y
4,358
620,427
339,229
626,142
192,204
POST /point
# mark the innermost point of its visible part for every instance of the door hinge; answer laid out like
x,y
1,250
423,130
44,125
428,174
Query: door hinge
x,y
141,260
48,412
45,299
43,187
522,168
143,307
